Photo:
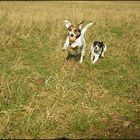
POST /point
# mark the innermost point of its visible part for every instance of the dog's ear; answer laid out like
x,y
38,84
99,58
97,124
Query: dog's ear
x,y
67,23
102,43
80,25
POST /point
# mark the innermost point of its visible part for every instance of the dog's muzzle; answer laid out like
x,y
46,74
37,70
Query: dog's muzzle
x,y
72,39
97,51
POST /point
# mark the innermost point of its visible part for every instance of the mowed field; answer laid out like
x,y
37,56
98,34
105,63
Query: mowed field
x,y
79,100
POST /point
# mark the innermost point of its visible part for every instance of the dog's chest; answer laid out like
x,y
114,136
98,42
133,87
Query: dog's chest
x,y
78,43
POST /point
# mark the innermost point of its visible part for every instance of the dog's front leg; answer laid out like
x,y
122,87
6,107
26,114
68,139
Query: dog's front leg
x,y
96,57
91,56
92,53
74,45
66,44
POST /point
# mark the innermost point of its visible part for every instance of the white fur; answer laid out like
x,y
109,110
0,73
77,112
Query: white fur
x,y
79,42
67,23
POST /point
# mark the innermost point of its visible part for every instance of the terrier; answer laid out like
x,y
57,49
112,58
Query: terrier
x,y
75,38
97,50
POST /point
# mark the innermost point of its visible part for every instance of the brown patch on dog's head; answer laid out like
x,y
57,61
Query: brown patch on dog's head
x,y
75,27
71,27
80,25
74,31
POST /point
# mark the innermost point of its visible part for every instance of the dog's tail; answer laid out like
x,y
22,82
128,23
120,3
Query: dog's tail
x,y
85,28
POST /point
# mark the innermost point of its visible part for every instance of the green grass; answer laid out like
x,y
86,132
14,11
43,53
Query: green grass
x,y
79,100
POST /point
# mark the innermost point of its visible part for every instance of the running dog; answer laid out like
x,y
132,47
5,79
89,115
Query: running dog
x,y
75,38
97,50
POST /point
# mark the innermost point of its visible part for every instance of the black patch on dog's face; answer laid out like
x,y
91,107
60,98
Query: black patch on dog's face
x,y
98,47
98,43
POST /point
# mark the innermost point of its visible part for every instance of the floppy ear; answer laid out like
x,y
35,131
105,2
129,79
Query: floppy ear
x,y
67,23
80,25
102,43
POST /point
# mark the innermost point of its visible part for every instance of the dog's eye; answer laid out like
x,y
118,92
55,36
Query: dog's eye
x,y
69,28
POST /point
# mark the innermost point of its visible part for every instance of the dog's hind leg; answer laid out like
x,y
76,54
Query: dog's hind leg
x,y
83,50
102,55
82,55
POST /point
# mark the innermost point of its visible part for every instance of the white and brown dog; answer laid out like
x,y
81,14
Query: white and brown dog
x,y
97,50
75,38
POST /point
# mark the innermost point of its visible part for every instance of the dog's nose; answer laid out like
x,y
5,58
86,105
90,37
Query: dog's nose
x,y
71,35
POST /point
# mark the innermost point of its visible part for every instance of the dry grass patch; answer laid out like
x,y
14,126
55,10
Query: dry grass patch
x,y
78,101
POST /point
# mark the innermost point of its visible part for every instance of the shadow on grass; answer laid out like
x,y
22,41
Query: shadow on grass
x,y
75,57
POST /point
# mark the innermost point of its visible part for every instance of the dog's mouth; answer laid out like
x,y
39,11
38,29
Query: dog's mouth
x,y
74,36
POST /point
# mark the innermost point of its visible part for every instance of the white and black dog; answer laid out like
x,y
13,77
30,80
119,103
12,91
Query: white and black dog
x,y
75,38
97,50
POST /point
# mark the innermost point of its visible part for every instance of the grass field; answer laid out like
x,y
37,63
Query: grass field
x,y
79,100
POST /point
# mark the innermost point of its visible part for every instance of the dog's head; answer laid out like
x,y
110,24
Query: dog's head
x,y
98,45
74,31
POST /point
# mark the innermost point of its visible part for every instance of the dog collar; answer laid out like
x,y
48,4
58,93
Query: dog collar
x,y
79,34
